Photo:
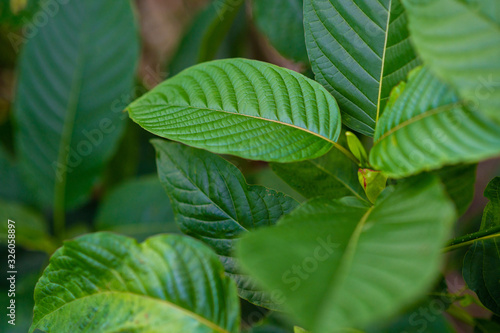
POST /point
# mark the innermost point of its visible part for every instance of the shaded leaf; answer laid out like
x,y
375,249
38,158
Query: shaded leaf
x,y
459,181
357,263
213,203
427,127
109,283
138,208
72,85
359,51
245,108
481,270
464,55
281,21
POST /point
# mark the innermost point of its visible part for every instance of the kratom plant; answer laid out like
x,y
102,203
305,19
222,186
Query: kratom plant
x,y
378,139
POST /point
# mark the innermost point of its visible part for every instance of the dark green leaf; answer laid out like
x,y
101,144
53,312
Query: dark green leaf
x,y
359,51
464,55
12,186
481,268
109,283
206,34
425,126
213,203
281,21
137,208
459,181
75,75
246,108
356,263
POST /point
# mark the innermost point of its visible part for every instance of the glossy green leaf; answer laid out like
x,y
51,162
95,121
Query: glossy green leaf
x,y
344,264
373,182
109,283
247,108
281,21
333,175
137,208
427,127
459,181
206,34
464,55
29,227
359,51
481,270
213,203
75,75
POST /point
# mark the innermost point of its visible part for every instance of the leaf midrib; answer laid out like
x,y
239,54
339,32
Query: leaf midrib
x,y
418,117
188,313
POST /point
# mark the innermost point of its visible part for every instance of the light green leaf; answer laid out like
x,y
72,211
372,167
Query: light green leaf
x,y
464,55
355,263
281,21
107,283
359,51
428,127
247,108
138,208
206,34
481,270
213,203
333,176
75,75
28,227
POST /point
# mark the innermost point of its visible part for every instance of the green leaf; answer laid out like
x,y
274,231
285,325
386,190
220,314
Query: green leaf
x,y
357,149
242,107
138,208
464,55
281,21
481,270
206,34
359,51
356,263
12,186
213,203
428,127
332,176
373,182
29,228
68,106
459,181
16,13
109,283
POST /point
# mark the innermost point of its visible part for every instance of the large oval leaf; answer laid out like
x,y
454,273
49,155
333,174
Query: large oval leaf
x,y
481,268
359,51
343,264
108,283
213,203
242,107
72,85
464,55
426,126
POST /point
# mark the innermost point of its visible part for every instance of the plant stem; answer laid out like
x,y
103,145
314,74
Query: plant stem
x,y
471,238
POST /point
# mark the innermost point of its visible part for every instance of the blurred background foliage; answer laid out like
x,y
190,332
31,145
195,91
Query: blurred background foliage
x,y
127,198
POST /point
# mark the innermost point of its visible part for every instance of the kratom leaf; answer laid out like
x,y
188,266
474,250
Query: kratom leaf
x,y
481,270
12,186
213,203
333,176
206,34
138,208
72,86
281,21
247,108
359,51
30,228
425,126
356,263
109,283
459,181
464,55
